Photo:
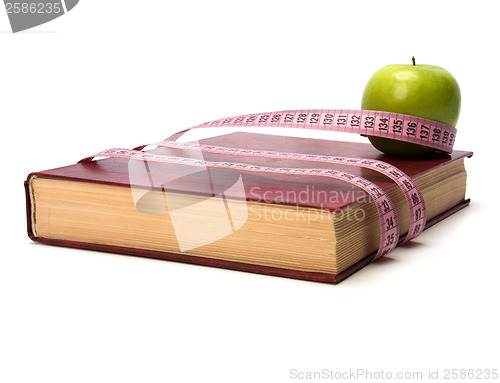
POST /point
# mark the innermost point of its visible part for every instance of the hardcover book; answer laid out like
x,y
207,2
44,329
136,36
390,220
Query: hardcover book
x,y
306,227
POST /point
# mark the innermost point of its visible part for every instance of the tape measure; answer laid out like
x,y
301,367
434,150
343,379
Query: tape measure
x,y
375,123
395,126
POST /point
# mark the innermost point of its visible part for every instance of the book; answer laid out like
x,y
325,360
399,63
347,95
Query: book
x,y
309,228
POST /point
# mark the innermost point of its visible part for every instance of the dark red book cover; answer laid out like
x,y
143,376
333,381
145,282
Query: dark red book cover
x,y
268,188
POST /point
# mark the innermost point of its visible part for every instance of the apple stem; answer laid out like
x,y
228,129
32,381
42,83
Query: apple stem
x,y
413,60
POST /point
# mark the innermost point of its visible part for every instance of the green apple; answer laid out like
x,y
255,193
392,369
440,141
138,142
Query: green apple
x,y
425,91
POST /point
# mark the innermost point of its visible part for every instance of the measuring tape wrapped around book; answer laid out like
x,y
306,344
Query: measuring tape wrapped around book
x,y
433,134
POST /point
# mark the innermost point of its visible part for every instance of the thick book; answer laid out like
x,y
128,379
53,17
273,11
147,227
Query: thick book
x,y
305,227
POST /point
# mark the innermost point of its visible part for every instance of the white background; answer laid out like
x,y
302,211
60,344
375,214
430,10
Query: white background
x,y
119,73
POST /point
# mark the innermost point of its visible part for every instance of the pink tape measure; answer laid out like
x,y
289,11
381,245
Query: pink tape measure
x,y
365,122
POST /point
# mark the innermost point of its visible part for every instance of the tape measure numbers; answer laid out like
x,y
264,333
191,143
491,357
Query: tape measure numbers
x,y
395,126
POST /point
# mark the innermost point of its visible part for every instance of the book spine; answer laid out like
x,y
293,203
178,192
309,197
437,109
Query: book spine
x,y
29,208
